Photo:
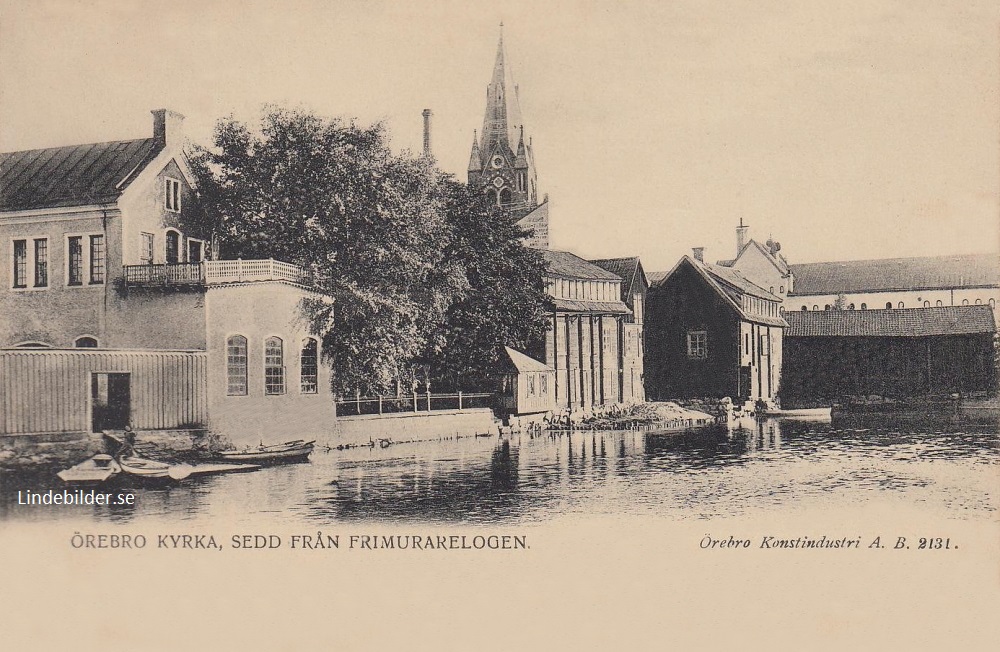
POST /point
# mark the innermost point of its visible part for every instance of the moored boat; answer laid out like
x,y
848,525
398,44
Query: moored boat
x,y
96,469
291,451
152,470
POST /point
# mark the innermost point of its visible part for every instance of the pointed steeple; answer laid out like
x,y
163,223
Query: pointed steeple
x,y
475,159
521,160
503,111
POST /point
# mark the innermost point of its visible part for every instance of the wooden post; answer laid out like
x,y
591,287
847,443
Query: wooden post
x,y
414,399
380,404
459,399
428,399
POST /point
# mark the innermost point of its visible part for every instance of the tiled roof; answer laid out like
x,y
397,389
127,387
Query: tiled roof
x,y
655,278
627,268
565,264
71,176
578,305
738,281
928,272
522,362
908,322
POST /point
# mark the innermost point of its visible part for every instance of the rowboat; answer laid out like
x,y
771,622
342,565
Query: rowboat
x,y
152,470
290,451
93,470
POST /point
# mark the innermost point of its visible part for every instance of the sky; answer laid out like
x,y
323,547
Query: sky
x,y
844,130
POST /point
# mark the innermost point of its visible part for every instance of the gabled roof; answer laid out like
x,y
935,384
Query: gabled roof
x,y
733,278
908,322
522,362
567,265
77,175
893,274
629,269
537,221
776,259
727,284
656,278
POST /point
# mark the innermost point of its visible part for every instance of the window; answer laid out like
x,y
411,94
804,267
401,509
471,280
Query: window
x,y
888,305
781,290
697,342
815,307
20,263
173,247
531,384
850,306
927,304
309,365
75,260
864,306
96,259
827,307
236,366
172,198
85,342
993,303
804,308
900,305
146,249
965,302
746,343
196,249
939,303
41,262
274,366
765,344
979,302
543,384
771,289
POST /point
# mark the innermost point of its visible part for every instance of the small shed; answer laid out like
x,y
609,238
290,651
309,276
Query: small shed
x,y
528,385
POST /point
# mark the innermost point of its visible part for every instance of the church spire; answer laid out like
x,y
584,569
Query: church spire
x,y
503,111
475,159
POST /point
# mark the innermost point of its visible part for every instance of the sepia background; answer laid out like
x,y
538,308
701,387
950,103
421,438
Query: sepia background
x,y
856,129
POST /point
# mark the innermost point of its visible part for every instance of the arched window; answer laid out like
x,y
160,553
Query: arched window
x,y
781,308
85,342
32,345
236,366
927,304
993,303
815,307
826,307
979,302
274,366
309,367
899,305
804,308
864,306
505,196
850,306
771,290
173,247
781,289
965,302
938,303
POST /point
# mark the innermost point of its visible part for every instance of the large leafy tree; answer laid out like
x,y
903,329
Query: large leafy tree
x,y
369,227
506,302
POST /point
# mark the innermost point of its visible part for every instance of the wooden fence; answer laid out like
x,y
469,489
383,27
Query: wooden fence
x,y
423,402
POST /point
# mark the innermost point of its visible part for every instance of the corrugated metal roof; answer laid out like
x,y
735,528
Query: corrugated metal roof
x,y
928,272
906,322
71,176
523,362
563,263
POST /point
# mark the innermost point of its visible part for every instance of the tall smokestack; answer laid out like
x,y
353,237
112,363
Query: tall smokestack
x,y
427,132
741,237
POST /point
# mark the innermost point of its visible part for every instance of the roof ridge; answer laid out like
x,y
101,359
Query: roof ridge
x,y
104,142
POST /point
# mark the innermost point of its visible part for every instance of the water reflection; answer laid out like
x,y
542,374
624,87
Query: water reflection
x,y
704,473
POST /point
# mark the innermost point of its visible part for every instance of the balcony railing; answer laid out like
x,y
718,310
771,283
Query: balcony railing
x,y
211,272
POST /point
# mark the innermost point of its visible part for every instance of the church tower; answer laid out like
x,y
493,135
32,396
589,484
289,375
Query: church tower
x,y
502,162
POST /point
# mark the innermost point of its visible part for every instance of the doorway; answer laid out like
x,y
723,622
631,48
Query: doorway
x,y
111,398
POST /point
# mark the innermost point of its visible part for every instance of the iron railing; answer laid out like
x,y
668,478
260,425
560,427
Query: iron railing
x,y
211,272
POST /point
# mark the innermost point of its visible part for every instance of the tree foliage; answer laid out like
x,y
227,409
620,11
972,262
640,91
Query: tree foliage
x,y
419,268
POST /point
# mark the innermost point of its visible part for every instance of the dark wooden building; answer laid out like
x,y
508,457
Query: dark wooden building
x,y
895,353
710,332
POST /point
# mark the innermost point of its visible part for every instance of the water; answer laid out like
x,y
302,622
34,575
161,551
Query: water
x,y
766,467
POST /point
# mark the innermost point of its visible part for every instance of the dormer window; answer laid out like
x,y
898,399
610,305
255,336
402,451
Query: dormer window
x,y
172,196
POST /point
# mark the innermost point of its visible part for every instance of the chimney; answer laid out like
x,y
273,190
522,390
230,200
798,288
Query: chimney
x,y
741,237
427,132
168,127
699,254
